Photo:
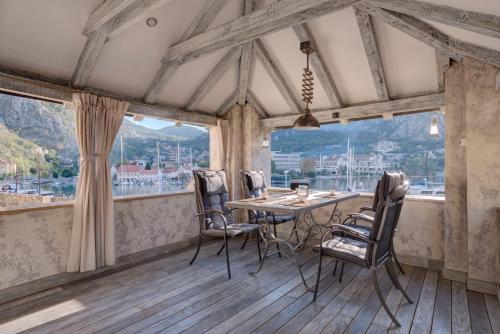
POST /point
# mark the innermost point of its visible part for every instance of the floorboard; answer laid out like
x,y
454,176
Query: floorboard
x,y
170,296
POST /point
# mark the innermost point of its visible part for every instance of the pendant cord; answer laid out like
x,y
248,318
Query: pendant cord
x,y
307,84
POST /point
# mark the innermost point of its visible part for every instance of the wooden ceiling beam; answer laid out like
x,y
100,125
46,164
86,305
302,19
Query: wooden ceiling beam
x,y
30,84
199,24
89,55
276,76
442,64
245,61
406,105
370,44
485,24
214,76
107,21
454,48
252,99
105,12
274,17
228,103
319,66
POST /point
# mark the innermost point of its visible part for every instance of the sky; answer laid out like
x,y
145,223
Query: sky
x,y
152,123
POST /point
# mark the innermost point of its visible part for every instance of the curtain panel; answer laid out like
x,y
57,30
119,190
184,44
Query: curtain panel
x,y
98,120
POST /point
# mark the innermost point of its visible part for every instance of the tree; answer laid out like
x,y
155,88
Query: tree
x,y
308,166
148,165
273,166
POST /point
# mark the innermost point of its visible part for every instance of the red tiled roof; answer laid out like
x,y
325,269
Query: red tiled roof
x,y
129,169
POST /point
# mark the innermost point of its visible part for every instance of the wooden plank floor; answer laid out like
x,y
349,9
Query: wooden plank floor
x,y
169,296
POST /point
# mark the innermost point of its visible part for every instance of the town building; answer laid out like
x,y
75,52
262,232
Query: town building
x,y
286,161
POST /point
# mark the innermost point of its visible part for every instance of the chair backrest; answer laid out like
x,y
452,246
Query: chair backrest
x,y
211,193
254,185
376,197
391,192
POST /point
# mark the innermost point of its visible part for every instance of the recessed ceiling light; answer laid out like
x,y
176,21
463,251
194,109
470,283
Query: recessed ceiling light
x,y
151,21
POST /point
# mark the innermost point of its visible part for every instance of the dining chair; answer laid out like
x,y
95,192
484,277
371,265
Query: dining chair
x,y
254,185
215,220
353,218
371,250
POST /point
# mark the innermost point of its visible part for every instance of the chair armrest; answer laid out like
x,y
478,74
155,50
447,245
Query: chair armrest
x,y
349,231
360,216
366,208
214,212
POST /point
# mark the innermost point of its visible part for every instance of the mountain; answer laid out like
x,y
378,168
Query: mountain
x,y
27,124
410,131
15,149
184,132
46,124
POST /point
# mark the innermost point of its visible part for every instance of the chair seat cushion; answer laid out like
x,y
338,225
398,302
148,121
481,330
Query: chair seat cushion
x,y
345,249
232,230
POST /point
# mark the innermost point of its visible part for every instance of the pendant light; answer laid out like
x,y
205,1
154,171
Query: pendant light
x,y
434,129
306,121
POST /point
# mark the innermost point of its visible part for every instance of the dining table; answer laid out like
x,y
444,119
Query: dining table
x,y
303,222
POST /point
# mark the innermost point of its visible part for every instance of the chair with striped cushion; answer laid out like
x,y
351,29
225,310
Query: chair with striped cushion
x,y
254,186
214,218
371,250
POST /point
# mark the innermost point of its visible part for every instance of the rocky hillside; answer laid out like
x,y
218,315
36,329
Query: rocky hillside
x,y
27,124
410,131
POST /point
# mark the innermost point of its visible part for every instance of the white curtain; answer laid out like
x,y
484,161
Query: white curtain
x,y
92,237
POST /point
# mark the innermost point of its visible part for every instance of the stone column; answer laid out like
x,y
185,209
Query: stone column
x,y
483,174
455,207
472,245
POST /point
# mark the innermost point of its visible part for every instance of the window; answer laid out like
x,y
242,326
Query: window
x,y
156,156
353,156
39,159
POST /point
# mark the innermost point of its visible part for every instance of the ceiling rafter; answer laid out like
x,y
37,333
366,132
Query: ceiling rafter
x,y
252,99
199,24
318,63
120,15
276,76
396,106
274,17
102,14
245,61
228,103
454,48
370,44
485,24
214,76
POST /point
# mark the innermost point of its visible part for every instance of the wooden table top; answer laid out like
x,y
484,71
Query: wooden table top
x,y
288,202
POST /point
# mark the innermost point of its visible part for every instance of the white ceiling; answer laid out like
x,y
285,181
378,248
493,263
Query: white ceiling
x,y
45,37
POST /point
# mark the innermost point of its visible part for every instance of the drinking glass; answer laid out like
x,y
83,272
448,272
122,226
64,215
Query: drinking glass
x,y
302,192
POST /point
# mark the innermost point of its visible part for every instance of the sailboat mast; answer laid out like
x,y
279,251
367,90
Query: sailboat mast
x,y
178,163
121,162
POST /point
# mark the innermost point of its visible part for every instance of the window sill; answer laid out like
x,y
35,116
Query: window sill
x,y
70,203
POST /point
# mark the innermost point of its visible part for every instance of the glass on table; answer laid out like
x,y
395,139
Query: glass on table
x,y
302,192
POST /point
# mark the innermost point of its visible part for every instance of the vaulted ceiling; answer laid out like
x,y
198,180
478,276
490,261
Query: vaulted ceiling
x,y
362,53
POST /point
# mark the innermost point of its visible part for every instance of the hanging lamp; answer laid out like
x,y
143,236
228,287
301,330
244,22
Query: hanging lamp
x,y
307,121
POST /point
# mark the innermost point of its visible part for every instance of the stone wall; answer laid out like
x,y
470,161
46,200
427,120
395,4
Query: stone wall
x,y
8,200
473,174
420,237
34,243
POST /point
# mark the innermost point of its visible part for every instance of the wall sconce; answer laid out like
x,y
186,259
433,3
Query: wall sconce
x,y
265,140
